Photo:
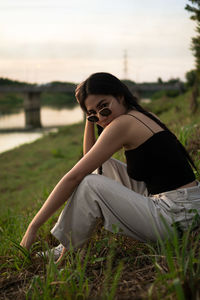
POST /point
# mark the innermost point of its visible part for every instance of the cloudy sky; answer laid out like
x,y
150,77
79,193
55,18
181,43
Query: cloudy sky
x,y
45,40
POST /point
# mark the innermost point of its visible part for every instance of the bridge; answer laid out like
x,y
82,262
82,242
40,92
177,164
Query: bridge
x,y
32,95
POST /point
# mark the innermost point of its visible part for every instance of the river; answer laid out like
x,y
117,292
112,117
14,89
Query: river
x,y
50,117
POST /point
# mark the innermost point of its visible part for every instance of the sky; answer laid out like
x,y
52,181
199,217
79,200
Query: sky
x,y
48,40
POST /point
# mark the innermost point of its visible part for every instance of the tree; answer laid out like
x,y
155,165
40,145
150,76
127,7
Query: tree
x,y
195,10
174,81
190,78
160,81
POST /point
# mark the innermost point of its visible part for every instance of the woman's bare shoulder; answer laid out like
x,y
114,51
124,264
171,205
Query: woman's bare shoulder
x,y
121,120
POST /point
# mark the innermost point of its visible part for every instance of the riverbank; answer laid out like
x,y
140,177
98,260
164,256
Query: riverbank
x,y
31,170
29,173
14,133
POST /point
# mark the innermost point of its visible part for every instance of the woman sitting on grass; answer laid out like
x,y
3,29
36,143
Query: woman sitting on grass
x,y
156,183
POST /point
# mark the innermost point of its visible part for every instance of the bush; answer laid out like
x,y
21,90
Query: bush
x,y
163,93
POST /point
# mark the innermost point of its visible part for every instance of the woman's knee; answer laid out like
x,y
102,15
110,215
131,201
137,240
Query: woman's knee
x,y
89,181
94,184
87,193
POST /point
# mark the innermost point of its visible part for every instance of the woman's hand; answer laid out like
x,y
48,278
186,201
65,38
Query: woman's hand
x,y
29,238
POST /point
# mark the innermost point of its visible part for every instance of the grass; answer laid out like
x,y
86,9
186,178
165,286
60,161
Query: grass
x,y
25,171
10,103
58,100
175,112
110,266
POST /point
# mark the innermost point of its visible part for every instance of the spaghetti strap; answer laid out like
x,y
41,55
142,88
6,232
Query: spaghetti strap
x,y
142,123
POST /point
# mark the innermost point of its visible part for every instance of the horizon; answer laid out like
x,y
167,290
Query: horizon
x,y
47,41
71,82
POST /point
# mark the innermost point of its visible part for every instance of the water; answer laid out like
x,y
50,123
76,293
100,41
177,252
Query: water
x,y
9,141
49,117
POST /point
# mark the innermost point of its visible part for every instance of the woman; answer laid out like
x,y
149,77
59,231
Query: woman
x,y
157,183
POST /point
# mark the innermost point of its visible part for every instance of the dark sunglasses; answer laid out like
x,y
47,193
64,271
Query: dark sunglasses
x,y
105,111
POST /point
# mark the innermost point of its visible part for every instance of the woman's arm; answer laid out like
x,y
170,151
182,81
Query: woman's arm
x,y
89,136
107,144
58,196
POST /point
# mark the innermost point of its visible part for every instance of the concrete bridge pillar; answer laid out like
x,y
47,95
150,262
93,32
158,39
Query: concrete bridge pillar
x,y
32,110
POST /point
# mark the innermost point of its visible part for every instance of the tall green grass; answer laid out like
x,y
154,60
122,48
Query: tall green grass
x,y
177,262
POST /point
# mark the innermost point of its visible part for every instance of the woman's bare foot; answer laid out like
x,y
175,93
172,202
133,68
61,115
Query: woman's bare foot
x,y
64,250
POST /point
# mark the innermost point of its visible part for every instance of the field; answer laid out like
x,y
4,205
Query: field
x,y
110,266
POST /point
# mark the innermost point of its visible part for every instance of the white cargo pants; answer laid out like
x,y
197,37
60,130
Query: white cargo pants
x,y
124,202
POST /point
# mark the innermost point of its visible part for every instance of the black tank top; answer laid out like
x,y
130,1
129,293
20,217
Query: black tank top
x,y
159,162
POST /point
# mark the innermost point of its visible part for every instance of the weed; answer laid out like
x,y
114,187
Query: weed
x,y
185,134
178,272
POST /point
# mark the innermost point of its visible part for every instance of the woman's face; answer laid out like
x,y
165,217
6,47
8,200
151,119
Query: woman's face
x,y
95,103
